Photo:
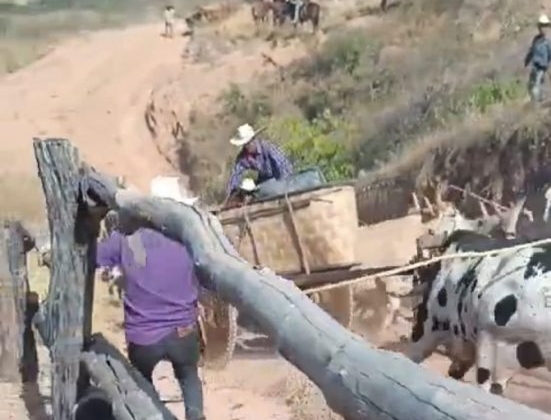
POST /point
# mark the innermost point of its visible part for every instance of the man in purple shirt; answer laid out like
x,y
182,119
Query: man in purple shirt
x,y
267,159
160,305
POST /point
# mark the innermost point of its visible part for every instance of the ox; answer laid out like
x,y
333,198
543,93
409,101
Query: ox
x,y
492,311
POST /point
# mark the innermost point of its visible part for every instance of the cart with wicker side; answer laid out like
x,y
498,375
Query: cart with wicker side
x,y
308,237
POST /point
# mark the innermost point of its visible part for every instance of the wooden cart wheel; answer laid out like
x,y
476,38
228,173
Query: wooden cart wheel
x,y
219,322
338,303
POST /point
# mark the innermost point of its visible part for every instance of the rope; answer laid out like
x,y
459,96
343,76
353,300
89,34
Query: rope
x,y
524,211
409,267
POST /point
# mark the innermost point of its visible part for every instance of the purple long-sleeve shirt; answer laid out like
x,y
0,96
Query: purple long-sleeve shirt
x,y
161,292
269,162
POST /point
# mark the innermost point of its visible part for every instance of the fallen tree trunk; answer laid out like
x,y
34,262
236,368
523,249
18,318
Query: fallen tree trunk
x,y
358,381
131,396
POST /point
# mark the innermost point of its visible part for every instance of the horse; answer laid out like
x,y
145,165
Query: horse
x,y
310,11
260,10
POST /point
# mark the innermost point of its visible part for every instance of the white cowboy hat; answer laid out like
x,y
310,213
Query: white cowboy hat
x,y
245,133
169,187
248,185
543,19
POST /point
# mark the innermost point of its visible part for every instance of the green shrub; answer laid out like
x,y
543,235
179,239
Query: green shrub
x,y
340,53
318,143
489,93
245,108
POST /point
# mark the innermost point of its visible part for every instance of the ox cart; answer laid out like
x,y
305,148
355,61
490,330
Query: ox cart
x,y
308,237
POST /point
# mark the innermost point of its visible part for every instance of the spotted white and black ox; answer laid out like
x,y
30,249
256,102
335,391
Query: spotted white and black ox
x,y
493,311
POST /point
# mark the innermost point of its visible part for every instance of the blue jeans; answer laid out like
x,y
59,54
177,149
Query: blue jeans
x,y
183,352
535,83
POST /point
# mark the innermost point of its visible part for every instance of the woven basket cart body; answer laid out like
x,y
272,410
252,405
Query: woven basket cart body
x,y
308,232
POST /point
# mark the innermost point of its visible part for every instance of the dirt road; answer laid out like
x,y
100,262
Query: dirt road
x,y
92,90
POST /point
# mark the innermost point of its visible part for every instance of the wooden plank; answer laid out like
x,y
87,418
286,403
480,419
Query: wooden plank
x,y
66,316
18,359
20,242
12,305
358,381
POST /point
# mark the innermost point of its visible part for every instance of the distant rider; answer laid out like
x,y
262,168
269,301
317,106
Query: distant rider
x,y
539,58
297,7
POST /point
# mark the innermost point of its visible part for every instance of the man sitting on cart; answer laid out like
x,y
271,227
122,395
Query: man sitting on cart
x,y
259,155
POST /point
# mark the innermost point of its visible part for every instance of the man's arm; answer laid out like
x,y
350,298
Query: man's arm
x,y
548,45
109,251
235,177
280,159
530,53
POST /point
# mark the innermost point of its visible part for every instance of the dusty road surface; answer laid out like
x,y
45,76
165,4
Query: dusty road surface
x,y
91,90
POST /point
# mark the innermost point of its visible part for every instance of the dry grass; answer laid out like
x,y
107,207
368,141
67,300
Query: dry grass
x,y
28,32
391,80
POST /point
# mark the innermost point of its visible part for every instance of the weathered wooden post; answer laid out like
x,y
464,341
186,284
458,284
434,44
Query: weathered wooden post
x,y
18,304
358,381
66,315
18,360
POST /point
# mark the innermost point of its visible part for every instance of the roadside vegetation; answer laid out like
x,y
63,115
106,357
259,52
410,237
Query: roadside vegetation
x,y
371,96
27,32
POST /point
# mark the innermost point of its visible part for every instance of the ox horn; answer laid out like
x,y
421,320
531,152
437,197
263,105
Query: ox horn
x,y
483,209
416,202
509,218
429,206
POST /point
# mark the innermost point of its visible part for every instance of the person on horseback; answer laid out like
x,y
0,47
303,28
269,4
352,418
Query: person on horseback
x,y
297,5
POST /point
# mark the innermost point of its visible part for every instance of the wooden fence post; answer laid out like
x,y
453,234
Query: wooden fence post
x,y
66,315
358,381
17,356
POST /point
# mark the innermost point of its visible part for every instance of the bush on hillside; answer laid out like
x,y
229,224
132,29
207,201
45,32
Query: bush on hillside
x,y
244,107
318,143
492,92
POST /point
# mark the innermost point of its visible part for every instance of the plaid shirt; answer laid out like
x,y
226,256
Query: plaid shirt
x,y
269,161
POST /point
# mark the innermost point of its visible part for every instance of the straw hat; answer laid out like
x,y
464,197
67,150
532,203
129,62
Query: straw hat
x,y
543,20
245,133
